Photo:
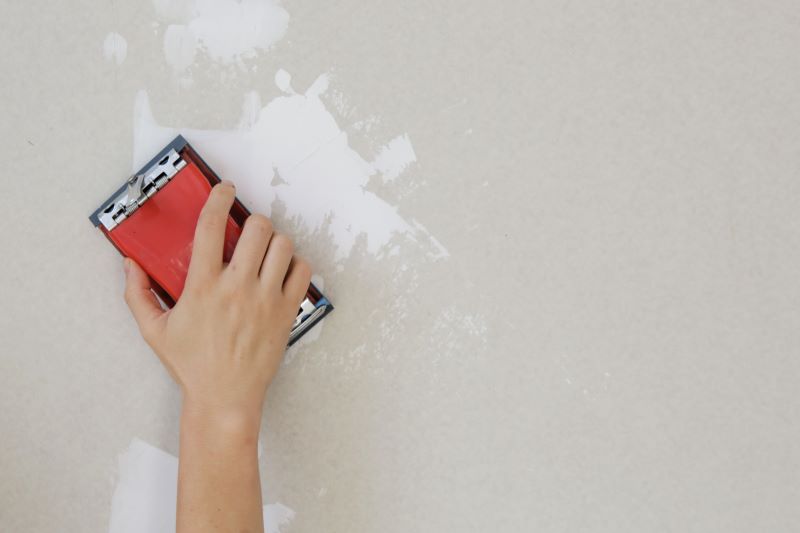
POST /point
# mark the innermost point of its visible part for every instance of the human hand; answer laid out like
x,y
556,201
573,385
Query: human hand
x,y
224,339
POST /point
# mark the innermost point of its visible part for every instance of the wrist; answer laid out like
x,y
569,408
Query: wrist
x,y
217,424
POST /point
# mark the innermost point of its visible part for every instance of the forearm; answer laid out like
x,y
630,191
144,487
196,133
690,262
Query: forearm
x,y
223,343
218,479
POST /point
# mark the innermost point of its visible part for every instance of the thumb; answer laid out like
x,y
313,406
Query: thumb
x,y
140,299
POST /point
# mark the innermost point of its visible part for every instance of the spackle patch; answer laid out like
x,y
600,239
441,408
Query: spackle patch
x,y
115,48
145,498
228,31
322,185
395,157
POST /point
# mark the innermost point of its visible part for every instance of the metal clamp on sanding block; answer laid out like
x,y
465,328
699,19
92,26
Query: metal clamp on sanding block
x,y
152,219
139,188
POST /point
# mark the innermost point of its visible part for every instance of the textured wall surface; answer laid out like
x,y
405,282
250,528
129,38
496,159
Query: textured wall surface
x,y
589,321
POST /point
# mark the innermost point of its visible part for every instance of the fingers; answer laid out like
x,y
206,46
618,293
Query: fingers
x,y
209,236
142,302
276,262
251,247
297,280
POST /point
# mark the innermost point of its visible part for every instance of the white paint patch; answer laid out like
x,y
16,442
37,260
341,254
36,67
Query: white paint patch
x,y
227,30
322,181
394,158
275,516
115,48
146,495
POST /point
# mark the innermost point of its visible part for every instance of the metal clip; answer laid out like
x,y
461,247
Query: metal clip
x,y
306,309
139,188
306,317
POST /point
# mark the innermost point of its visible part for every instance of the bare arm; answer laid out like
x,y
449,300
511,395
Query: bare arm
x,y
222,343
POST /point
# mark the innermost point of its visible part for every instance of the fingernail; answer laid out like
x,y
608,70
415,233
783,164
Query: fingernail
x,y
126,265
228,183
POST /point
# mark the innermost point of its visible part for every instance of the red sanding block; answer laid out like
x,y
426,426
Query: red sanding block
x,y
152,219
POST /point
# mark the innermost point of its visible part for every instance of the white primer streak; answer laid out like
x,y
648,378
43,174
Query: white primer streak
x,y
322,179
228,30
115,48
145,499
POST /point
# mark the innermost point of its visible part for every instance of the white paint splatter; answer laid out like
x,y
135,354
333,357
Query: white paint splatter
x,y
366,124
115,48
322,181
227,30
145,498
284,81
394,158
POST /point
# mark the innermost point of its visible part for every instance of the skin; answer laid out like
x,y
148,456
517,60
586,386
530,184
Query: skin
x,y
222,343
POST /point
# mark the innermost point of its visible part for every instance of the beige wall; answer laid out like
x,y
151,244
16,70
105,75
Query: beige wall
x,y
610,346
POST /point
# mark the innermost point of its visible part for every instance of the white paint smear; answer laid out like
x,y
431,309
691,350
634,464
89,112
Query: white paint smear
x,y
321,181
145,499
227,30
395,157
115,48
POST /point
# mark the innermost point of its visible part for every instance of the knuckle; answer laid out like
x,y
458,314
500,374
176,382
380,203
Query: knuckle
x,y
129,295
282,243
222,190
260,223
